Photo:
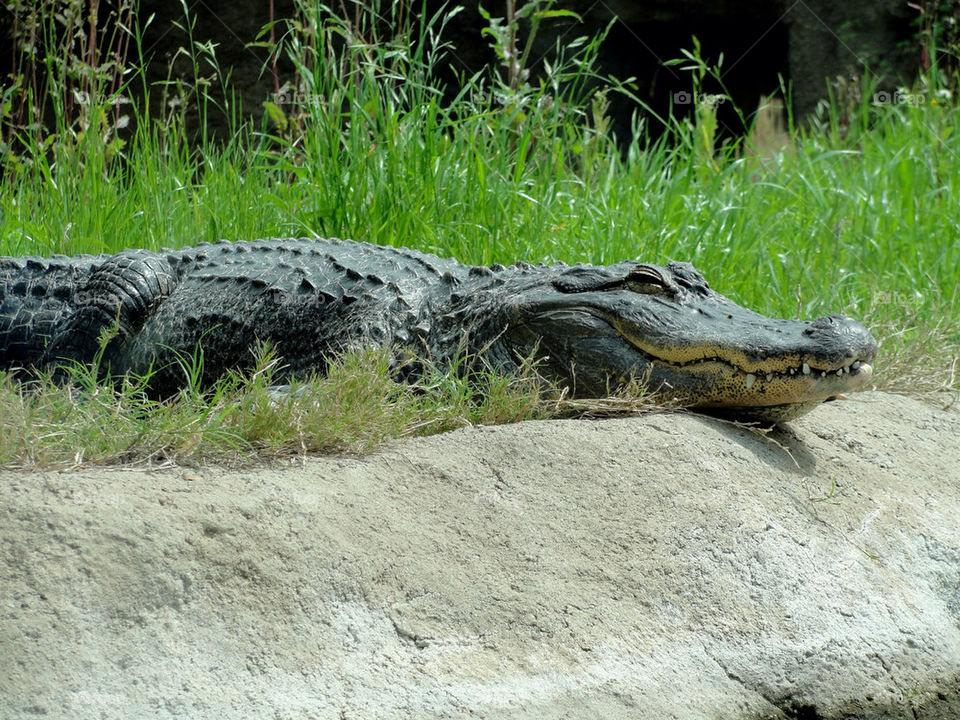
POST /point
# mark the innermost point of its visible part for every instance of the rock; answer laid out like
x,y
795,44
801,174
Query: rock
x,y
664,566
831,40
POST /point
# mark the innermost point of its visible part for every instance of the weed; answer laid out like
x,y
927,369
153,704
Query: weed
x,y
832,496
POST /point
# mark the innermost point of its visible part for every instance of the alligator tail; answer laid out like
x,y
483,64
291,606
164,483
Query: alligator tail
x,y
36,295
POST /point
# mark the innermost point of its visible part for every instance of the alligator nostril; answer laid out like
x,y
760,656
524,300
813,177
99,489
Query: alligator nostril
x,y
827,322
832,324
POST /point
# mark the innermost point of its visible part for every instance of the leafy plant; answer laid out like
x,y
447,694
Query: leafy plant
x,y
69,73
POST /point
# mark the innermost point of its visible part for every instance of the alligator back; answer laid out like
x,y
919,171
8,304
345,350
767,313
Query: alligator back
x,y
310,297
36,295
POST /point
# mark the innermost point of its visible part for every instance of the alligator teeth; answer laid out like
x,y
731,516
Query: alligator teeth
x,y
751,378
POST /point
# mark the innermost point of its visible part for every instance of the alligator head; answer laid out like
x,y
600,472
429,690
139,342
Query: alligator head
x,y
597,327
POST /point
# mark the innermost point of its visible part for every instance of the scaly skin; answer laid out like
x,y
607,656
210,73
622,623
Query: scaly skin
x,y
595,328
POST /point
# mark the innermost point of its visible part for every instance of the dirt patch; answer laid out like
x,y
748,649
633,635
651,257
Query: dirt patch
x,y
662,566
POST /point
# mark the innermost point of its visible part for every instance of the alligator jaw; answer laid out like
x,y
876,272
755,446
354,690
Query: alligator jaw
x,y
788,388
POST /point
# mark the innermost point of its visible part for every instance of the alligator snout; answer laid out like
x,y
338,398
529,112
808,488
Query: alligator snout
x,y
840,331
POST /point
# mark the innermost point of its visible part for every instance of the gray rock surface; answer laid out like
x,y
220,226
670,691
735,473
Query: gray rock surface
x,y
665,566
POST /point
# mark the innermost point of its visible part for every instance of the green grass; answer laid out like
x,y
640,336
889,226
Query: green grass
x,y
860,214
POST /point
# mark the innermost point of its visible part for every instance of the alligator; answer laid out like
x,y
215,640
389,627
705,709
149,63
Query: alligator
x,y
592,329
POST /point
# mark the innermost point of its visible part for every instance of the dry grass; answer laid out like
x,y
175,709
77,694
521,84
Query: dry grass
x,y
919,361
355,407
769,134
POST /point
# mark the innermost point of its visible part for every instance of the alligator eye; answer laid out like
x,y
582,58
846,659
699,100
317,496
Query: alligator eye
x,y
647,280
645,288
